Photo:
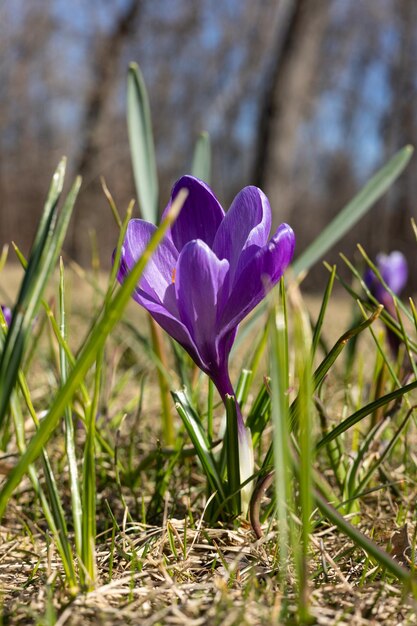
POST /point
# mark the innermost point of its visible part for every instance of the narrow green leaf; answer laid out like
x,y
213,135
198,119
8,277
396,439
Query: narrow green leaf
x,y
319,324
280,447
303,370
364,412
201,167
331,357
96,339
319,375
382,557
45,250
141,144
342,223
69,427
354,210
199,440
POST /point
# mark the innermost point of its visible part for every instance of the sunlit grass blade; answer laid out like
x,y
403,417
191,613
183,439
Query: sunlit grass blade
x,y
59,525
69,429
89,481
141,143
393,441
405,337
254,359
62,541
243,386
370,302
200,442
319,375
201,166
352,476
279,367
87,356
3,256
363,412
363,542
342,223
354,210
41,263
303,369
319,324
340,344
259,414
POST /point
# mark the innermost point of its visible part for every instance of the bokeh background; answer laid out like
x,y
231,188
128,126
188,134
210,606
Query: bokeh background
x,y
306,98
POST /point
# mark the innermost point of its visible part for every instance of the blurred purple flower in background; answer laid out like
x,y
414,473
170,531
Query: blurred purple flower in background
x,y
394,271
7,313
210,271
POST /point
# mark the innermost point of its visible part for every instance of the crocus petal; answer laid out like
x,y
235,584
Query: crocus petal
x,y
200,215
261,273
159,272
199,289
394,270
173,326
244,229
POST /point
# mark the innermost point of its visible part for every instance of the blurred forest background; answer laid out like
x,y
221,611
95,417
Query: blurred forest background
x,y
306,98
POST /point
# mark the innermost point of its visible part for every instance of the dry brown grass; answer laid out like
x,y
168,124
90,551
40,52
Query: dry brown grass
x,y
179,570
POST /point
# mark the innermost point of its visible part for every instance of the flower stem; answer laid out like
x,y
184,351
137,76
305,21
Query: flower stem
x,y
232,453
158,347
238,445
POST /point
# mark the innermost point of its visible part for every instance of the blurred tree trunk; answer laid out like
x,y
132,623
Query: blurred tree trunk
x,y
105,74
400,127
288,98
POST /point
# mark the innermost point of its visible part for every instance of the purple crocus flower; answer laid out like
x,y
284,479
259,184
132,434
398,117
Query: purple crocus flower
x,y
394,271
209,273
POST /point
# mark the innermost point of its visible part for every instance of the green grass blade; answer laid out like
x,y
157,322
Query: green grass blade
x,y
279,367
259,414
382,557
359,415
69,428
342,223
59,526
393,441
354,210
320,374
141,142
303,368
33,477
87,357
201,166
353,473
319,324
89,481
340,344
34,281
199,440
